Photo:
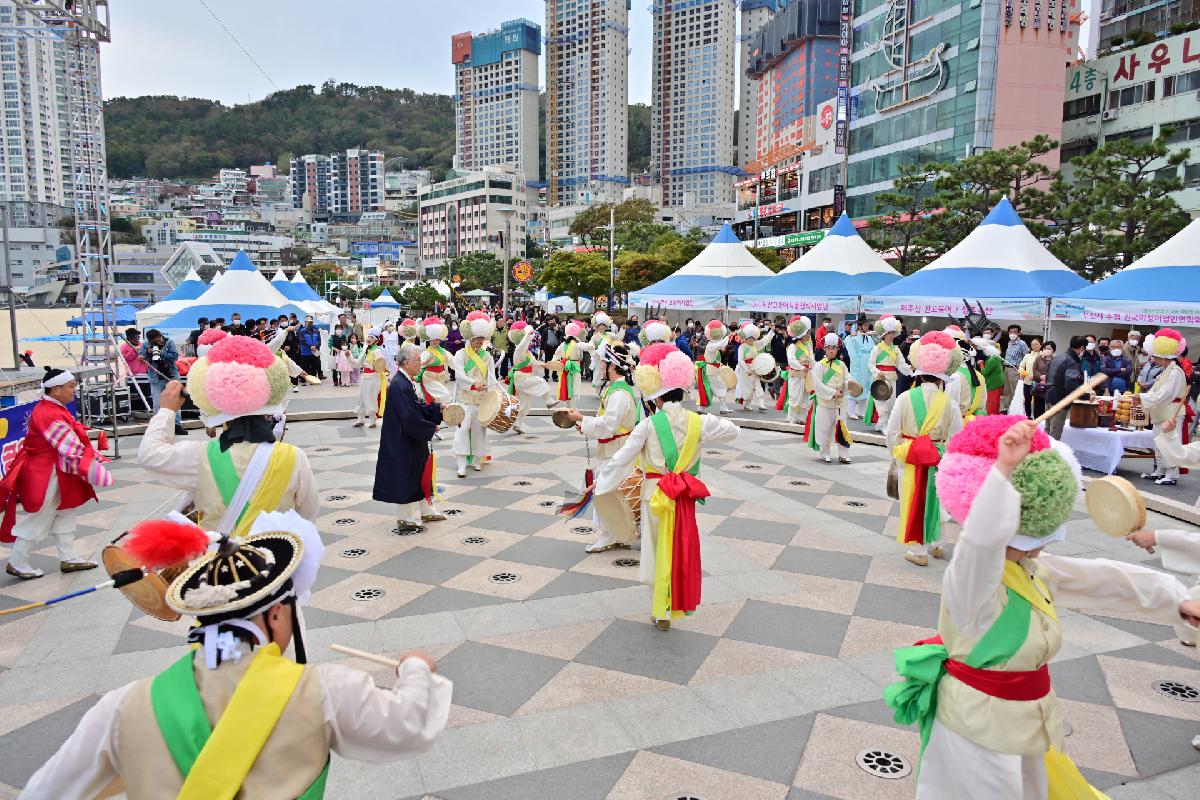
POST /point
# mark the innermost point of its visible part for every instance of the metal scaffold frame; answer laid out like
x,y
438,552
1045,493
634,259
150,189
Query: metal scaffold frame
x,y
81,25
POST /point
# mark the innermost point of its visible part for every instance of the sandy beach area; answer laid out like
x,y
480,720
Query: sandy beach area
x,y
36,322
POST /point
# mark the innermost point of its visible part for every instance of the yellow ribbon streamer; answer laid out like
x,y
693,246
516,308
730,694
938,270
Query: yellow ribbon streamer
x,y
900,452
663,508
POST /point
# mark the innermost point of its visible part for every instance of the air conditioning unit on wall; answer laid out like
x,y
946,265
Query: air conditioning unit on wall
x,y
1109,115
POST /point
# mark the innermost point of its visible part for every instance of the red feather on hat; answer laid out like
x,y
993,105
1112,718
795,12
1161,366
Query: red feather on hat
x,y
165,543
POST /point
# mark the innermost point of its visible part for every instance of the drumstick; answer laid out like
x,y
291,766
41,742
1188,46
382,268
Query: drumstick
x,y
1063,404
364,655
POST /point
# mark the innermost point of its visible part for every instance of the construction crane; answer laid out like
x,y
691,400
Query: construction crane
x,y
80,26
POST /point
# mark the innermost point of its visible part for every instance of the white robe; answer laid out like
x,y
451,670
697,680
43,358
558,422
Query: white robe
x,y
531,388
1159,403
471,437
831,408
619,406
884,407
750,389
712,360
954,766
799,370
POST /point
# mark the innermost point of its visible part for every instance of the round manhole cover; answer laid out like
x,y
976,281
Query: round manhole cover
x,y
345,521
626,562
505,577
712,452
583,530
855,504
452,512
883,764
475,540
522,483
685,797
354,552
322,449
407,531
333,498
1177,691
547,504
367,594
753,466
799,483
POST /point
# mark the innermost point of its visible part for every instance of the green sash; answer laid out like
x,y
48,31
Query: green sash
x,y
622,386
666,440
477,362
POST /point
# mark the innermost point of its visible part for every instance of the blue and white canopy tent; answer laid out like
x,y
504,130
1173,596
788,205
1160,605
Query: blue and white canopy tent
x,y
723,269
1160,288
385,300
828,278
125,315
302,294
190,288
242,290
999,264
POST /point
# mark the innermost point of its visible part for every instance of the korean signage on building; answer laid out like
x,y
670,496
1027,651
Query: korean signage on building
x,y
842,114
803,239
1165,57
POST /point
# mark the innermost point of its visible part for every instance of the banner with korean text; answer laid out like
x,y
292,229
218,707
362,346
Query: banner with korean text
x,y
997,308
1144,312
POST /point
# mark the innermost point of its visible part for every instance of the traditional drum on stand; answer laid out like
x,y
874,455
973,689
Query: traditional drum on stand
x,y
1084,414
881,390
149,594
453,414
764,367
620,512
498,411
727,376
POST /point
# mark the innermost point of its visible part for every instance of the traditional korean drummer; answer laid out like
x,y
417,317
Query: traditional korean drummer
x,y
476,373
620,411
1163,401
886,363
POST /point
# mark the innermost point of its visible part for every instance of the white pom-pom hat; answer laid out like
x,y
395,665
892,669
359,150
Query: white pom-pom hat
x,y
480,325
656,331
435,328
749,331
831,340
600,318
799,326
715,330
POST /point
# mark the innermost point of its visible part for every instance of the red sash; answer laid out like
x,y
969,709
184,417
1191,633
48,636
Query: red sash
x,y
922,454
1023,685
685,489
884,368
613,438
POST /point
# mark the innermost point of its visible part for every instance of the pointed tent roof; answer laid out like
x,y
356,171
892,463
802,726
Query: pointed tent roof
x,y
840,265
189,288
306,291
242,289
385,300
1000,262
216,277
279,276
184,294
725,267
1165,281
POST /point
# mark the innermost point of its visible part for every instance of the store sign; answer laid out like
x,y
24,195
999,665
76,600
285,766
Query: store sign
x,y
826,116
767,211
894,88
1130,312
839,199
995,308
1167,57
803,239
841,134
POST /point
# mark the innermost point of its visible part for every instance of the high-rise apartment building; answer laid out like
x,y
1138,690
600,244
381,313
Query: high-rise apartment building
x,y
356,182
309,177
587,93
1121,18
754,15
35,138
496,98
691,116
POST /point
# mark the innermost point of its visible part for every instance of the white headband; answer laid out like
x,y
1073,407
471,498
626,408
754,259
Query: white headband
x,y
61,379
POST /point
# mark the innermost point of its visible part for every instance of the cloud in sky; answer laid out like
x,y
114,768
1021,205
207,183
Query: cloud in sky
x,y
175,47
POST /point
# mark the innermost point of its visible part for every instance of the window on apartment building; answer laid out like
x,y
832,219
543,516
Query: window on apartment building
x,y
1184,131
1081,107
1131,95
1180,84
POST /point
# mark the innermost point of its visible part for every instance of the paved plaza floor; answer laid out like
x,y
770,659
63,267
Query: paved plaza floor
x,y
562,687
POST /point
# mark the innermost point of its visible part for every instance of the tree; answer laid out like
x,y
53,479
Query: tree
x,y
771,259
576,274
591,224
643,237
906,219
478,270
316,275
678,251
966,190
420,296
639,138
1125,189
638,270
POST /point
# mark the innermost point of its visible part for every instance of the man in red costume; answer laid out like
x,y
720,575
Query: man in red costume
x,y
53,473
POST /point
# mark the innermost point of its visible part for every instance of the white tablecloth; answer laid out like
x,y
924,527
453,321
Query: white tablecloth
x,y
1101,449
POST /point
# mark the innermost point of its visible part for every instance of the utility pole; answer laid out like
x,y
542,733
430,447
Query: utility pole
x,y
612,252
12,303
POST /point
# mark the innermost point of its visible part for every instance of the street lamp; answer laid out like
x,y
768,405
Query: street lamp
x,y
507,214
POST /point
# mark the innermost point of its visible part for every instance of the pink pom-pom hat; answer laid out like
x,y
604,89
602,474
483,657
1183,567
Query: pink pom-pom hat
x,y
671,370
435,328
715,330
574,329
969,457
932,354
207,339
238,377
653,354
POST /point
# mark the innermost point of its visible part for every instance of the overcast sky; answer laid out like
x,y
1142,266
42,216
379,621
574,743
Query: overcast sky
x,y
175,47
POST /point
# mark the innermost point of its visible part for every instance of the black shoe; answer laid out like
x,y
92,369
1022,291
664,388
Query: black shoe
x,y
180,430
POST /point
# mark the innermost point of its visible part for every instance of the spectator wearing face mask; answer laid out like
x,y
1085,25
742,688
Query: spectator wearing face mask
x,y
1091,360
1041,369
1015,351
1118,367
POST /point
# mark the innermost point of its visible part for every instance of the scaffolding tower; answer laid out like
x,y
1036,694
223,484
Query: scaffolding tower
x,y
80,26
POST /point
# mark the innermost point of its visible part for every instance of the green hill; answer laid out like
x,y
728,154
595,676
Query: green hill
x,y
178,137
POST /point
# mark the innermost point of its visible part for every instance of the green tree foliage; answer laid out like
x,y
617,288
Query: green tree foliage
x,y
639,138
478,271
591,224
420,296
1119,207
906,218
576,274
315,274
771,259
637,270
643,237
174,137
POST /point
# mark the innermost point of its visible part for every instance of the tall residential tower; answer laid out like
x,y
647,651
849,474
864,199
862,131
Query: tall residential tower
x,y
755,14
691,118
496,98
587,95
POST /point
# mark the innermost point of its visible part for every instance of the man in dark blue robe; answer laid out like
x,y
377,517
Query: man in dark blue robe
x,y
404,472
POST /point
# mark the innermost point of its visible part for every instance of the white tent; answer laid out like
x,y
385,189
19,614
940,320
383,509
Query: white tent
x,y
722,269
300,293
243,290
565,305
190,288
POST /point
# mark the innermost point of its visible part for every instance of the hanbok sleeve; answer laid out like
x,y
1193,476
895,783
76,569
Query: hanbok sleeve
x,y
1180,551
308,500
605,425
87,761
367,723
1100,585
1163,391
871,356
1178,454
176,464
902,363
716,429
617,468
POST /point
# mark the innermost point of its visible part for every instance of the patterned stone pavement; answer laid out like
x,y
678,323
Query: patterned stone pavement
x,y
563,689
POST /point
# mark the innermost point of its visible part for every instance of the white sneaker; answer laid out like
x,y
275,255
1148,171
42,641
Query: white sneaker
x,y
477,467
295,390
1196,742
462,473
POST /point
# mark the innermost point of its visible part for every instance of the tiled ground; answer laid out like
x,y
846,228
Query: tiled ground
x,y
563,689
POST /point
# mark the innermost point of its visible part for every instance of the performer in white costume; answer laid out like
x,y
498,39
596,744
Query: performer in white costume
x,y
886,362
476,373
714,390
524,379
372,384
827,418
567,359
601,325
434,378
750,390
980,691
797,393
1166,399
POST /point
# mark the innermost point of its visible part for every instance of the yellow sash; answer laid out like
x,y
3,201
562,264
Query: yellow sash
x,y
1034,590
664,508
244,727
270,491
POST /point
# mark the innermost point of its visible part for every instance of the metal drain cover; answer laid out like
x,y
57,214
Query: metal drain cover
x,y
522,483
685,797
583,530
399,532
753,466
322,449
505,577
855,504
883,764
452,512
547,503
333,498
1177,691
626,562
713,453
346,521
367,594
475,540
799,483
354,552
